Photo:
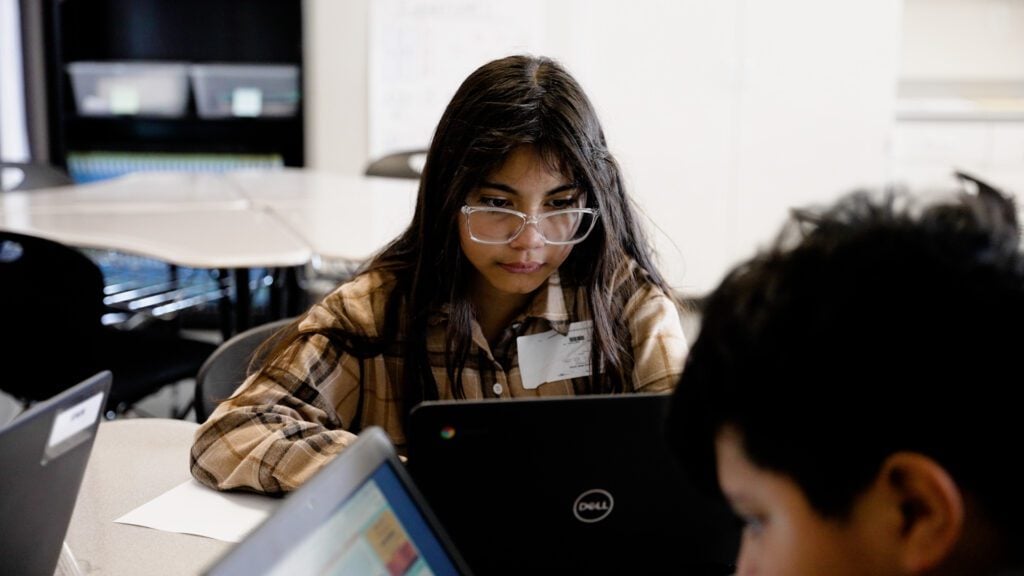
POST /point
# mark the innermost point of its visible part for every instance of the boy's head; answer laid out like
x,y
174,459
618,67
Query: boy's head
x,y
852,390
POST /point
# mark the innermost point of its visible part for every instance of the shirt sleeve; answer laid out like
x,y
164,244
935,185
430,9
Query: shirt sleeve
x,y
659,345
285,423
282,425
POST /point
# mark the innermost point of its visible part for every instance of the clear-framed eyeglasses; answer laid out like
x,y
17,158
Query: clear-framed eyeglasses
x,y
502,225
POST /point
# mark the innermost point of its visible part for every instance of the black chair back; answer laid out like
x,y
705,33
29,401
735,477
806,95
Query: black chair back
x,y
228,366
397,165
51,306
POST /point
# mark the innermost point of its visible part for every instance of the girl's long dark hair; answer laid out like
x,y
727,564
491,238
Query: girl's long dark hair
x,y
514,101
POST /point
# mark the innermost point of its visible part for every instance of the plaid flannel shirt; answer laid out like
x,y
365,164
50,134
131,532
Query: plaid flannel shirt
x,y
276,432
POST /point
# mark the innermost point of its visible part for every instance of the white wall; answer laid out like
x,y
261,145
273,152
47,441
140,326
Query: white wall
x,y
13,131
722,113
964,63
963,40
335,63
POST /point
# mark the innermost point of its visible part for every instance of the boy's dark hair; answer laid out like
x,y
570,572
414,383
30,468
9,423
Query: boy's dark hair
x,y
872,328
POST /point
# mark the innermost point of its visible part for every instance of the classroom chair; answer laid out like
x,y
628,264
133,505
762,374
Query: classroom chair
x,y
403,164
228,366
32,175
51,307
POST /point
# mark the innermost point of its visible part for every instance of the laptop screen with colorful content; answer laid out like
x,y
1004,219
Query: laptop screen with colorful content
x,y
359,515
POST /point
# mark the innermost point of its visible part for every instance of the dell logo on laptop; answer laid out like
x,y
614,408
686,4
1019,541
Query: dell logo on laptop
x,y
593,505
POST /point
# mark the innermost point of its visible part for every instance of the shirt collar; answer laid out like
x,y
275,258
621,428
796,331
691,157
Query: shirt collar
x,y
548,303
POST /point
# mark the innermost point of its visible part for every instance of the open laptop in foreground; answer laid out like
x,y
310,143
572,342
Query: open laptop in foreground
x,y
359,515
570,485
43,453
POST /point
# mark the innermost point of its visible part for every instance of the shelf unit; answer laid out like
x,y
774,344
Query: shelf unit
x,y
193,31
262,32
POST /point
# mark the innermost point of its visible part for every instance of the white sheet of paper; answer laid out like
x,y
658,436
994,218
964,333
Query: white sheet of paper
x,y
191,508
550,356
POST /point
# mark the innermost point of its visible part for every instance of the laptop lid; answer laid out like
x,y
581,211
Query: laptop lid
x,y
568,485
44,452
359,515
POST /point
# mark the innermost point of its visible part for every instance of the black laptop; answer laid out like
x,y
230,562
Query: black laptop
x,y
43,453
569,485
359,515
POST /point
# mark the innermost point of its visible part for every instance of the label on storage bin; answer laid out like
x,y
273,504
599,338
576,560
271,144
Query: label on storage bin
x,y
124,100
247,102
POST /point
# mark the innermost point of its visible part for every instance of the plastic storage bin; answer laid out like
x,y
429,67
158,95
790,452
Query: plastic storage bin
x,y
130,88
245,90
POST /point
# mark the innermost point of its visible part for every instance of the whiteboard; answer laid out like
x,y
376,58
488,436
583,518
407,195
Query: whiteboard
x,y
420,51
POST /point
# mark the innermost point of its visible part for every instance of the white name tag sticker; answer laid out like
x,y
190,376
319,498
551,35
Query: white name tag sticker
x,y
550,356
75,419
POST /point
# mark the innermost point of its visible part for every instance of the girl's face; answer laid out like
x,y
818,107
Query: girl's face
x,y
784,535
527,184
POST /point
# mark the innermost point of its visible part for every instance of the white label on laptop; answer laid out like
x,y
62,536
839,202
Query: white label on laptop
x,y
550,356
75,419
246,102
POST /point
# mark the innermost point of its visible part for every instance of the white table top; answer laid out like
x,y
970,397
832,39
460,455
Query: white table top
x,y
229,220
138,192
338,216
192,237
132,462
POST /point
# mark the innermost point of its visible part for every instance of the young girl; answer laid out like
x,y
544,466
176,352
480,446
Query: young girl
x,y
522,232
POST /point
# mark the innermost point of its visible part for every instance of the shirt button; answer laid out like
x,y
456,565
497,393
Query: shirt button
x,y
497,389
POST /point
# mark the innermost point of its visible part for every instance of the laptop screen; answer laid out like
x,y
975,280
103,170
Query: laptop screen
x,y
566,485
360,515
43,456
378,530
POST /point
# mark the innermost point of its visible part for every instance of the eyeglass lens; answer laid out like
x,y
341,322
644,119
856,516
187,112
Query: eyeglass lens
x,y
555,227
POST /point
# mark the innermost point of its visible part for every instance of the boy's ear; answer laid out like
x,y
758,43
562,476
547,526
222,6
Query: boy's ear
x,y
931,508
